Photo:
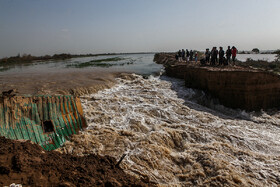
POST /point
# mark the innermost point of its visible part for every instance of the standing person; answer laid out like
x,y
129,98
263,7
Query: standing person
x,y
207,56
180,55
177,56
191,55
233,53
214,56
195,56
228,54
187,55
183,55
221,56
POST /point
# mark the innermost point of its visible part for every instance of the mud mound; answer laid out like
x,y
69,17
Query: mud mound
x,y
27,164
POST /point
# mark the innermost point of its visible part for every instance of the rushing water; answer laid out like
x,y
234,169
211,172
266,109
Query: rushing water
x,y
171,135
170,139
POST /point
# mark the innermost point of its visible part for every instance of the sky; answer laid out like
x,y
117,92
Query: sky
x,y
41,27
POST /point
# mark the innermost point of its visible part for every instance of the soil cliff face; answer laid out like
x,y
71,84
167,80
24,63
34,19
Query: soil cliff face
x,y
235,87
28,164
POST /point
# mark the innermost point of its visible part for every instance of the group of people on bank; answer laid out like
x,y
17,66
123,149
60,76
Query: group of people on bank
x,y
187,55
212,57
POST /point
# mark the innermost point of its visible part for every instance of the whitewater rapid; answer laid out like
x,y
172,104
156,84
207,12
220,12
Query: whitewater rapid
x,y
170,139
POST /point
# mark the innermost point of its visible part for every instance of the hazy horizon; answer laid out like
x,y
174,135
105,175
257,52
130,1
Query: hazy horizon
x,y
125,26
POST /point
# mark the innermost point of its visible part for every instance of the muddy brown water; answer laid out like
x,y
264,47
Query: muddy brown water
x,y
73,76
58,83
168,137
171,140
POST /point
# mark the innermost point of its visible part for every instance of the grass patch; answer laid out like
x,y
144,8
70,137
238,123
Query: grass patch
x,y
102,63
115,59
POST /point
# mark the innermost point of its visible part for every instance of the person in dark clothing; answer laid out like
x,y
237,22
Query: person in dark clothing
x,y
177,56
203,61
225,61
228,55
191,55
214,56
180,55
212,63
183,54
207,56
221,56
187,55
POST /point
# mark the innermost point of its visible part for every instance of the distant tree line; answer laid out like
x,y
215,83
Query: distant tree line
x,y
257,51
26,58
29,58
277,52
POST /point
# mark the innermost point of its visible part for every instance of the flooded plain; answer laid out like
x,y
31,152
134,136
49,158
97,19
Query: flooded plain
x,y
74,76
170,135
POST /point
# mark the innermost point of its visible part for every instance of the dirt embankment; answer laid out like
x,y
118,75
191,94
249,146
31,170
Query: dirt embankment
x,y
28,164
234,86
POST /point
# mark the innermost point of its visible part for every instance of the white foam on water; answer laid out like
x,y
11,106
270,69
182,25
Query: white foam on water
x,y
170,139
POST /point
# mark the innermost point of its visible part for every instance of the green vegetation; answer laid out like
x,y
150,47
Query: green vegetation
x,y
263,65
29,59
102,63
115,59
277,52
256,50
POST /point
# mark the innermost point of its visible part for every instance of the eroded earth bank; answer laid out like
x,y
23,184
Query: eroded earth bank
x,y
235,86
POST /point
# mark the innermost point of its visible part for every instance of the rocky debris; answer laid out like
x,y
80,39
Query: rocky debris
x,y
234,86
28,164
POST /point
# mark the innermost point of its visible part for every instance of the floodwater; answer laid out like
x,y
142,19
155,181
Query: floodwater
x,y
133,63
74,76
177,136
171,135
264,57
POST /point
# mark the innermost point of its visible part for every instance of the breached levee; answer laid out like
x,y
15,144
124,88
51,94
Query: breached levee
x,y
171,143
235,87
